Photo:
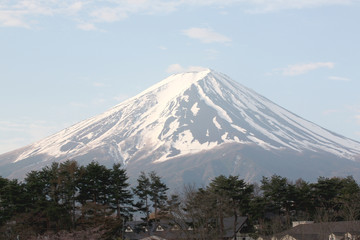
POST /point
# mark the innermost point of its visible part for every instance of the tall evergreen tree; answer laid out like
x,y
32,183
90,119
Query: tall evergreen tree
x,y
119,193
13,199
200,209
303,201
93,183
142,191
330,194
150,189
158,193
279,194
68,179
232,198
94,192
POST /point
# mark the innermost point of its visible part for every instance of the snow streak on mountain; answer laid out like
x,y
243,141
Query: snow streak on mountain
x,y
187,116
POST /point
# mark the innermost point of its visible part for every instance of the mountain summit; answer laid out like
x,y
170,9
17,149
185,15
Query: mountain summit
x,y
191,127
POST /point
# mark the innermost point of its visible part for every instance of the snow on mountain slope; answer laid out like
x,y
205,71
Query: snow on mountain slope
x,y
187,114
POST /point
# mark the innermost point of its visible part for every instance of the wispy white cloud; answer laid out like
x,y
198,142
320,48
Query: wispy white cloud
x,y
263,6
35,7
108,14
343,79
75,7
12,19
177,68
25,13
206,35
298,69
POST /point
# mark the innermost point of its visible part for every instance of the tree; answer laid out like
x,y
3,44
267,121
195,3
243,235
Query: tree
x,y
49,209
158,193
303,200
5,210
37,186
94,183
94,191
120,196
198,206
232,198
279,195
68,179
333,198
173,205
150,189
13,199
142,191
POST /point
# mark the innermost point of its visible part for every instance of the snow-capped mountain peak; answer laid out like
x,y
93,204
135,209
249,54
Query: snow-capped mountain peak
x,y
185,115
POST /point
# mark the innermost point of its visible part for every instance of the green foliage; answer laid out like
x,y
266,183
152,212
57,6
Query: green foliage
x,y
12,199
52,198
158,192
150,189
336,199
94,184
119,194
65,196
279,194
237,193
142,191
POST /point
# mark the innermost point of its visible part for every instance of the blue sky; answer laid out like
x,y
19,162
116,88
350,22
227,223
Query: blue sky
x,y
63,61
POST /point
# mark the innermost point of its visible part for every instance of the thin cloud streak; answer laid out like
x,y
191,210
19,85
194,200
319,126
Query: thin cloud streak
x,y
264,6
299,69
342,79
26,13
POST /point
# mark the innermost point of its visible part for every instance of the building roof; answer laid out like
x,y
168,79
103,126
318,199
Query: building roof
x,y
320,231
167,229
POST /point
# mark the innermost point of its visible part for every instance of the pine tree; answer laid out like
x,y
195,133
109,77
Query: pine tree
x,y
94,190
158,193
142,191
68,178
232,198
120,196
94,182
150,189
13,199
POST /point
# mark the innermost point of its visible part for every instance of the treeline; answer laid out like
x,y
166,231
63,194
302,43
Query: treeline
x,y
272,206
66,197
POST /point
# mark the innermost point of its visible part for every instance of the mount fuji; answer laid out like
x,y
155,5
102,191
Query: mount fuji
x,y
191,127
